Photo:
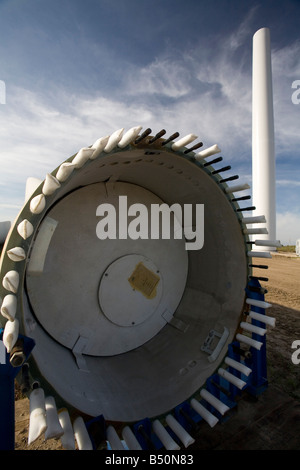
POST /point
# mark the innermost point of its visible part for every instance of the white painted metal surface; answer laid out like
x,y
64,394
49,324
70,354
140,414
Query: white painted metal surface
x,y
298,247
263,151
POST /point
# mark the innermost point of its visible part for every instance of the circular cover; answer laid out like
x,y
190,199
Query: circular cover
x,y
130,290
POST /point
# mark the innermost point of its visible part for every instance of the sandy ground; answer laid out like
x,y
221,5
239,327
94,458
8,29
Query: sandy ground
x,y
272,421
284,295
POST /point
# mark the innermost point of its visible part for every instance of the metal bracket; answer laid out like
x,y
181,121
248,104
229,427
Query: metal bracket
x,y
175,322
208,343
77,350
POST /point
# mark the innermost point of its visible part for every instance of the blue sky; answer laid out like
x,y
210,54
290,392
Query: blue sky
x,y
76,70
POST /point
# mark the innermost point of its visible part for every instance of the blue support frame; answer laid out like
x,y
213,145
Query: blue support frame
x,y
258,379
8,374
143,433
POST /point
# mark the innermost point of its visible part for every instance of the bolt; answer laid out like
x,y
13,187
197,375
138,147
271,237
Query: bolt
x,y
17,356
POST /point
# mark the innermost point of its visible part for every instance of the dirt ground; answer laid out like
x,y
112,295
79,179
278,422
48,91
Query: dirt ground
x,y
284,295
271,421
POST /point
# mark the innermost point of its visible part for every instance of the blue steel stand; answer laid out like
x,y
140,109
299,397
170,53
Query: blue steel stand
x,y
8,374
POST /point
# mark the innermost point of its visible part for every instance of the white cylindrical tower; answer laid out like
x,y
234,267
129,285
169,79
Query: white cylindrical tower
x,y
263,152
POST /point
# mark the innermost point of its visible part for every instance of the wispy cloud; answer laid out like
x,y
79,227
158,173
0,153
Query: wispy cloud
x,y
287,183
167,77
243,32
199,92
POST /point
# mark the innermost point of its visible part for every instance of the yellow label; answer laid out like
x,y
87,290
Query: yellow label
x,y
144,280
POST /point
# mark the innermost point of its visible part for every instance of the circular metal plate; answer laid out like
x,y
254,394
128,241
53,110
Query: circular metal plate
x,y
130,290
